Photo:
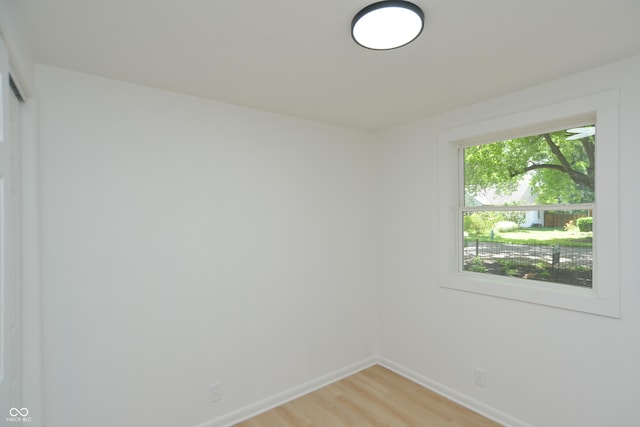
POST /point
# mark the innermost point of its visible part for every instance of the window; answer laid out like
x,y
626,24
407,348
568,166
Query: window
x,y
504,186
523,209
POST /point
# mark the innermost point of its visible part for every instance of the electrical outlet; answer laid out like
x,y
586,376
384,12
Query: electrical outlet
x,y
215,392
480,377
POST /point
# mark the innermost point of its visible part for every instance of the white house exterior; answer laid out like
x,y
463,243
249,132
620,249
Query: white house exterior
x,y
522,196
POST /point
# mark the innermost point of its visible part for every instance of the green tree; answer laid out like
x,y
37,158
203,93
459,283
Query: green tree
x,y
561,166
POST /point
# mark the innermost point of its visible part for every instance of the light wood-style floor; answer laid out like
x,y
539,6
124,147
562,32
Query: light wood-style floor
x,y
374,397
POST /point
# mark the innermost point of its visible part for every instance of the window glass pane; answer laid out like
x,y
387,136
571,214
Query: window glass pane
x,y
558,247
550,168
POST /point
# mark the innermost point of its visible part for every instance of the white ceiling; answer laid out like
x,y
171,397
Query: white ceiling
x,y
296,56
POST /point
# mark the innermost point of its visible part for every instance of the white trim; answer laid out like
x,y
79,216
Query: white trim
x,y
527,208
281,398
286,396
33,365
603,299
453,395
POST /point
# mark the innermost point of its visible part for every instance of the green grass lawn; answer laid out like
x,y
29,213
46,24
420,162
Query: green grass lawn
x,y
540,236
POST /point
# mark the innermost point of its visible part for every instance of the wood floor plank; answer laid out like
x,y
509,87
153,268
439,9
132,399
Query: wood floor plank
x,y
374,397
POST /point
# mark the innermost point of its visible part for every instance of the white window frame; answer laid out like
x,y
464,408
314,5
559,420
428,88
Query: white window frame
x,y
604,297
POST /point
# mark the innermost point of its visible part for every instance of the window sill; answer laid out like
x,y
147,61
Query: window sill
x,y
533,291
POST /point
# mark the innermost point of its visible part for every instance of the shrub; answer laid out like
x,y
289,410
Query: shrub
x,y
509,268
585,223
504,226
477,266
518,217
484,222
476,223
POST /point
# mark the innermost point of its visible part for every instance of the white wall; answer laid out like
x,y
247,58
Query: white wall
x,y
186,241
546,366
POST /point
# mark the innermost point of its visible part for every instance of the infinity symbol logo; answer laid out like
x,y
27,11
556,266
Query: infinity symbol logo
x,y
14,412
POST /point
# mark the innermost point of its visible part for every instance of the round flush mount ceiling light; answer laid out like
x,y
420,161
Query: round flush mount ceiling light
x,y
387,25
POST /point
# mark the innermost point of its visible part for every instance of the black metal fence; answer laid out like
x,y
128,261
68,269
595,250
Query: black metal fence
x,y
574,262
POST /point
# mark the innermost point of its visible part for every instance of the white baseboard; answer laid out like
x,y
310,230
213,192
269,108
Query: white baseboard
x,y
264,405
460,398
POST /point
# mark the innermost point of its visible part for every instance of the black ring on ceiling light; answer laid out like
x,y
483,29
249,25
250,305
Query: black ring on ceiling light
x,y
385,4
